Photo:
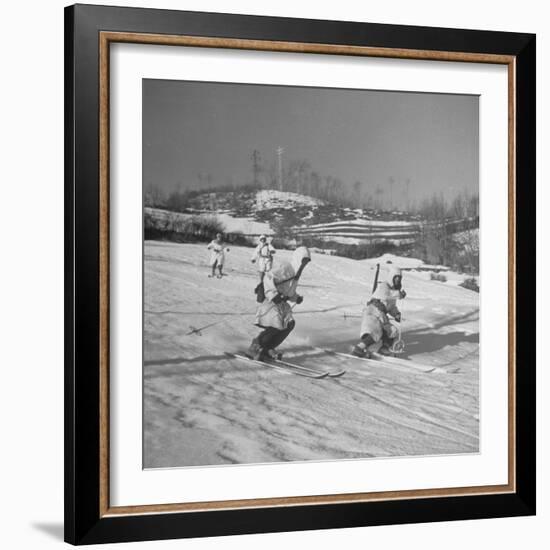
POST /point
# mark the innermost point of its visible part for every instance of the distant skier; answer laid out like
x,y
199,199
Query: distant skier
x,y
217,256
376,327
263,255
274,314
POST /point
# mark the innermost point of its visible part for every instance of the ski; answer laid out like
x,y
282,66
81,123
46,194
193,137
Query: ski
x,y
283,366
380,360
331,374
410,364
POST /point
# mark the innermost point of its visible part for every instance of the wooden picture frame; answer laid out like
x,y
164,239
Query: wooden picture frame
x,y
89,32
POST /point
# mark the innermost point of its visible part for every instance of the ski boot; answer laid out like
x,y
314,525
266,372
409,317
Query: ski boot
x,y
361,351
255,351
272,354
397,347
385,350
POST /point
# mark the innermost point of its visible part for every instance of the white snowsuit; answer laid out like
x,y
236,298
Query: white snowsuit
x,y
263,254
281,280
376,322
217,256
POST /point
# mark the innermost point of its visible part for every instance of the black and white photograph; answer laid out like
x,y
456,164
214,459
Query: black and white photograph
x,y
275,275
311,274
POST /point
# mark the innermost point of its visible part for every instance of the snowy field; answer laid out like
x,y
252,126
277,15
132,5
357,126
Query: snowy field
x,y
231,224
202,408
358,231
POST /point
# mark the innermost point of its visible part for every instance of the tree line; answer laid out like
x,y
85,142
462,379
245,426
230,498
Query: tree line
x,y
299,176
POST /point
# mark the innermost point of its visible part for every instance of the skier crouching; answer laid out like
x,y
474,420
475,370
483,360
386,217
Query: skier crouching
x,y
217,256
274,313
376,327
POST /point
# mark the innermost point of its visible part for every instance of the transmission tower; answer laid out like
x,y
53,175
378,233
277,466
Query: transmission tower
x,y
256,166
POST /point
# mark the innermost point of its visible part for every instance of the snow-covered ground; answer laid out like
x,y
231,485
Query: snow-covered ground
x,y
231,224
421,270
402,262
201,407
271,198
357,231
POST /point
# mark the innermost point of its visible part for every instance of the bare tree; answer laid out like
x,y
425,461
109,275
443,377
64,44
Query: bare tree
x,y
391,183
272,176
434,234
315,183
379,197
338,191
304,168
256,167
153,196
465,207
357,190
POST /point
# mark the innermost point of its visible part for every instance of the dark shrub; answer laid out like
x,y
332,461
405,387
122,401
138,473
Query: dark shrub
x,y
171,227
470,284
441,277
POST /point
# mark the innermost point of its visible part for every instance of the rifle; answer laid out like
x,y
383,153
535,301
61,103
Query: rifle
x,y
375,284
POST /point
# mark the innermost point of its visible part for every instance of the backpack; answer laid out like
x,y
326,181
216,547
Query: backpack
x,y
260,293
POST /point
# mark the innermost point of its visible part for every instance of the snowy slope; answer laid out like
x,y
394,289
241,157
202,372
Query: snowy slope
x,y
203,408
420,269
400,261
231,224
256,212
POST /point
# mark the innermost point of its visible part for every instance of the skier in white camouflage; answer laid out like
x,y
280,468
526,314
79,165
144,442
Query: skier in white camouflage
x,y
217,255
274,313
376,327
263,256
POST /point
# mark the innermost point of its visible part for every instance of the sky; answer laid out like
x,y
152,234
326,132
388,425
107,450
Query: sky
x,y
200,134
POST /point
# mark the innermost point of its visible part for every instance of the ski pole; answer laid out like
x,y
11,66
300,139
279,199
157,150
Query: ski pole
x,y
199,330
399,346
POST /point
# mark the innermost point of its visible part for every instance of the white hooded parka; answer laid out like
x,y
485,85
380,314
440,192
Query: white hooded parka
x,y
217,254
281,280
376,322
263,255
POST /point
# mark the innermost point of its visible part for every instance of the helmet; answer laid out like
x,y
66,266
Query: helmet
x,y
393,272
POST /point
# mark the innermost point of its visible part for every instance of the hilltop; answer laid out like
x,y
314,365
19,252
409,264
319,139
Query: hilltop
x,y
286,212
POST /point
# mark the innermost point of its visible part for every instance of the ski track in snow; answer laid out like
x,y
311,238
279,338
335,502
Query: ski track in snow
x,y
203,408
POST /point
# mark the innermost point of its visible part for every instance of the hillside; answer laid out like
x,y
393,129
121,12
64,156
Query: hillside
x,y
286,213
202,408
292,218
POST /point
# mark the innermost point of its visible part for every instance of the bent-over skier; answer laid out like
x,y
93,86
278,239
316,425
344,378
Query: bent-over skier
x,y
263,254
376,327
217,256
274,313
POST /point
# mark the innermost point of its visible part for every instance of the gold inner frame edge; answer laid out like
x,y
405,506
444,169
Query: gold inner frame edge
x,y
105,39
